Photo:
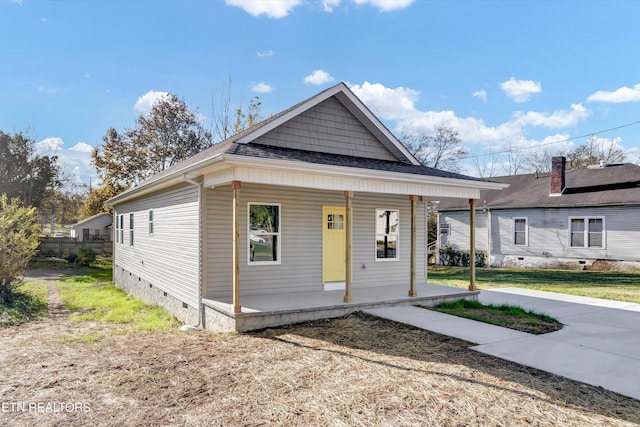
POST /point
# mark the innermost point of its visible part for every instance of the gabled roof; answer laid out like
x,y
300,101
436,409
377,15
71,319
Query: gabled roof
x,y
241,148
91,218
610,185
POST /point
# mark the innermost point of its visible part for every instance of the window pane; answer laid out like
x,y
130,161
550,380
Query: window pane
x,y
386,222
263,248
577,239
520,224
577,225
264,218
519,238
386,246
595,240
595,225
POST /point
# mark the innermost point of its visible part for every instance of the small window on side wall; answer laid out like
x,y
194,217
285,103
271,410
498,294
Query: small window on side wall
x,y
387,230
131,229
520,232
151,222
264,233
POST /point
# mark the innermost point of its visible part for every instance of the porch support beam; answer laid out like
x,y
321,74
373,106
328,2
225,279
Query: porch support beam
x,y
412,289
237,308
348,196
472,245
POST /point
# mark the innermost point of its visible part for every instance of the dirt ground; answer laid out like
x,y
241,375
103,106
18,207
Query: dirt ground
x,y
355,371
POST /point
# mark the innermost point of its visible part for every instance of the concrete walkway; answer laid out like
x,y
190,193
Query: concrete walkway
x,y
598,345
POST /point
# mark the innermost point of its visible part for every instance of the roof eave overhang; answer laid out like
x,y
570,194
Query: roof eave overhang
x,y
330,177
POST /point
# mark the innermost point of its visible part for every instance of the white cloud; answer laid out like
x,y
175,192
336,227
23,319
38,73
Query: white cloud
x,y
266,53
270,8
387,5
556,120
623,94
16,1
328,5
389,104
318,77
261,87
482,94
49,144
82,147
145,102
520,90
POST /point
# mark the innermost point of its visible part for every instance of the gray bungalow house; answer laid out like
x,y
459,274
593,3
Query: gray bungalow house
x,y
95,228
559,219
317,203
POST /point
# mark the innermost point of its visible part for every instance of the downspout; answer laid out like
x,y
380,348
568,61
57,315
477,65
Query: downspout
x,y
200,252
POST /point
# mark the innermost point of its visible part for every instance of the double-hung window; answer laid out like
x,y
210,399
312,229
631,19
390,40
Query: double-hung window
x,y
520,232
387,230
151,222
586,232
131,229
264,233
121,221
117,232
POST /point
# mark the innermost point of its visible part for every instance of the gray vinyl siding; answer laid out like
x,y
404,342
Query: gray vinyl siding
x,y
301,239
459,229
549,232
328,128
168,259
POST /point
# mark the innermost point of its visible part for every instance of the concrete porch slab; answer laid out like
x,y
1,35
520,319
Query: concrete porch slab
x,y
262,311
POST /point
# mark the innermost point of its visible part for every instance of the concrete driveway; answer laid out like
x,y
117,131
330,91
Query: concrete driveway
x,y
598,345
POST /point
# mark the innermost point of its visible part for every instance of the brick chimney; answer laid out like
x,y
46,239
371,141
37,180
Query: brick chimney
x,y
558,166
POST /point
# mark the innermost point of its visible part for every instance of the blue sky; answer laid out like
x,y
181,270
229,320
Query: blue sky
x,y
524,76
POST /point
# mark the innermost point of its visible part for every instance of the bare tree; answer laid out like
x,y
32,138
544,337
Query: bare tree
x,y
485,166
540,161
594,151
227,121
516,160
442,150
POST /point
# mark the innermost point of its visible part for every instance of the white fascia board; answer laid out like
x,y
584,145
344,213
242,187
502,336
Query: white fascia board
x,y
169,180
340,178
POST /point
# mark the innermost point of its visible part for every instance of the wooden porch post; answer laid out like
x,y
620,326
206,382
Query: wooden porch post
x,y
472,244
412,289
237,308
348,196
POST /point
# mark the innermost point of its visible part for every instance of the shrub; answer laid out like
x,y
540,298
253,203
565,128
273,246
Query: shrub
x,y
86,256
18,242
452,255
71,258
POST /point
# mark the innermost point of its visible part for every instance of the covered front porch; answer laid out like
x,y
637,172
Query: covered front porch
x,y
262,311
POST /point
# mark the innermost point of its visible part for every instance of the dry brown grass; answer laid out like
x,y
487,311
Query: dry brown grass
x,y
355,371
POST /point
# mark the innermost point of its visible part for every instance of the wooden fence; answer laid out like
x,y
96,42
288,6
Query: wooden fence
x,y
61,247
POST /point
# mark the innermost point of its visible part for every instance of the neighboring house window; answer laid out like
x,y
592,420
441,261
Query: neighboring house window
x,y
387,228
131,229
586,232
151,222
264,233
520,232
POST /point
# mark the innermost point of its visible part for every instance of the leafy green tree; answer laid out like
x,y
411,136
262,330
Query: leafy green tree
x,y
170,132
23,172
19,231
94,204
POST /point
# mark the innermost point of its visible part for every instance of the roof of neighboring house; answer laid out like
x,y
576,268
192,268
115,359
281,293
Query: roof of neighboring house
x,y
241,146
91,218
608,185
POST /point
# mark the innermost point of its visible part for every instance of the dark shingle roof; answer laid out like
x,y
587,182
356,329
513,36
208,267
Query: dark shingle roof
x,y
588,186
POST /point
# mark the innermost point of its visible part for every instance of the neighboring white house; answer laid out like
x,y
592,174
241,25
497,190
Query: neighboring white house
x,y
319,197
94,228
558,219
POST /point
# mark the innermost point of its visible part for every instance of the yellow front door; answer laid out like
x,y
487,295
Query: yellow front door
x,y
334,241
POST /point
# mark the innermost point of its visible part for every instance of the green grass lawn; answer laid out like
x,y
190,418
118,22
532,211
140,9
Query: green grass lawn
x,y
619,286
93,293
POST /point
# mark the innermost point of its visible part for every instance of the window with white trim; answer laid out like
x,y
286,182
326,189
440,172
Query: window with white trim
x,y
151,222
131,229
264,233
586,232
117,226
121,220
520,231
387,230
